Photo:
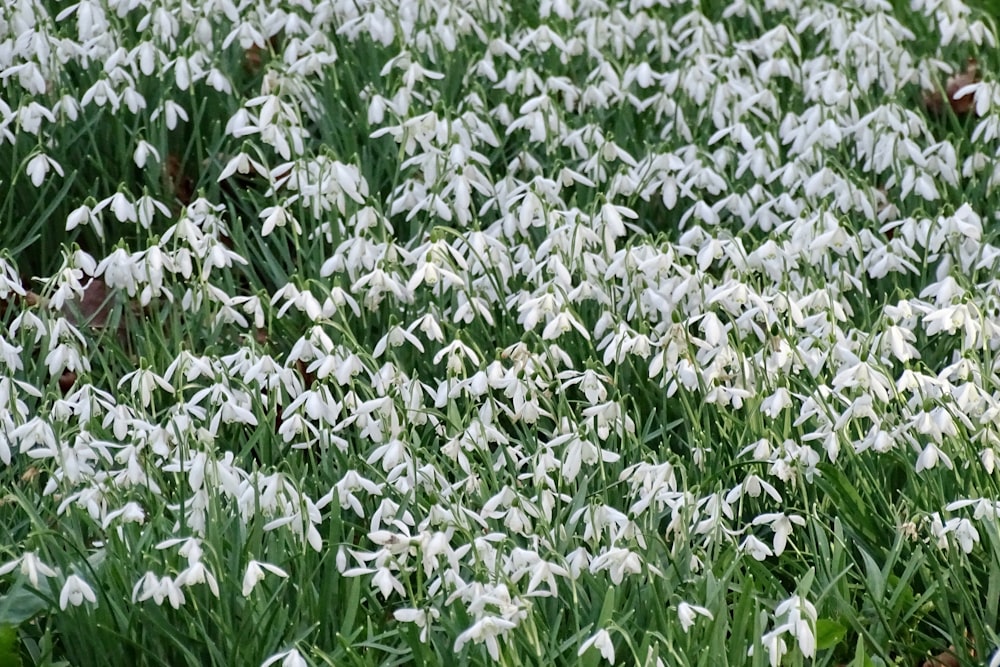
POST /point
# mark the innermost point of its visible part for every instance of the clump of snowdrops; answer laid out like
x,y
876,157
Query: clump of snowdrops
x,y
571,332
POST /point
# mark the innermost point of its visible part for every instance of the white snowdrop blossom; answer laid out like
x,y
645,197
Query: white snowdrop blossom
x,y
601,641
420,617
142,383
795,617
75,591
781,524
143,152
485,631
255,574
30,566
930,456
800,620
775,644
289,658
687,613
39,166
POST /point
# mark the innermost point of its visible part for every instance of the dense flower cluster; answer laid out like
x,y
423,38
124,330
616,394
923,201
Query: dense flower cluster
x,y
478,311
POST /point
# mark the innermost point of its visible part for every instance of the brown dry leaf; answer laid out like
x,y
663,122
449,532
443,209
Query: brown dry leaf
x,y
176,180
66,381
946,659
16,301
968,76
93,309
933,102
252,59
307,377
949,658
961,106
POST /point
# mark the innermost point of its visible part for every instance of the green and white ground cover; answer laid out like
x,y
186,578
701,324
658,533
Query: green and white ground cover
x,y
357,333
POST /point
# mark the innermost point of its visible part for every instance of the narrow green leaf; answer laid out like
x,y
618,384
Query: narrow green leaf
x,y
353,595
608,609
861,658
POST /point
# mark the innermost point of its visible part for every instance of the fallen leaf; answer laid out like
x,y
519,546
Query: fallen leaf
x,y
961,106
66,381
93,309
946,659
252,59
970,75
176,179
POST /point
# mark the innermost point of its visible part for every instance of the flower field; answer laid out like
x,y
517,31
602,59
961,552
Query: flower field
x,y
571,332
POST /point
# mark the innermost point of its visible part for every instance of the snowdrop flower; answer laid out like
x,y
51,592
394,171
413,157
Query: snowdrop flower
x,y
758,550
591,383
775,645
197,573
120,269
159,590
984,508
486,630
146,208
419,617
618,562
5,454
753,486
344,492
562,323
800,619
39,166
131,512
170,591
930,456
255,574
277,216
143,382
545,572
190,547
776,402
964,531
602,642
143,151
781,524
290,658
687,613
172,113
10,282
241,164
10,355
395,338
31,116
74,592
31,566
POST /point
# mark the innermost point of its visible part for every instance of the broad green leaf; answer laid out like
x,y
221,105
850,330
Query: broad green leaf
x,y
20,604
829,633
9,655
